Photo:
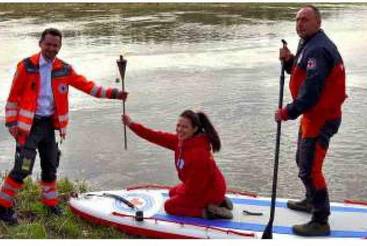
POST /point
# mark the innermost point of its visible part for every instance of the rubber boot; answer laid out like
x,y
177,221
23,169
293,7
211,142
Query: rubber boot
x,y
217,212
55,210
8,215
304,205
312,229
227,203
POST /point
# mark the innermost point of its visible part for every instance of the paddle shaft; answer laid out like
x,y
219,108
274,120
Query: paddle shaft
x,y
122,69
268,232
121,199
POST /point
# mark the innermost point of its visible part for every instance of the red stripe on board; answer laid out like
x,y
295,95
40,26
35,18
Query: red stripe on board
x,y
129,229
355,202
148,186
243,193
191,224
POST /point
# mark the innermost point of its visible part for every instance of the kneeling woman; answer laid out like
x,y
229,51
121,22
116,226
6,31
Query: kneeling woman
x,y
203,187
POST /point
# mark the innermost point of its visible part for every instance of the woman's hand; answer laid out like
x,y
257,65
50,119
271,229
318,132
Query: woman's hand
x,y
122,95
125,119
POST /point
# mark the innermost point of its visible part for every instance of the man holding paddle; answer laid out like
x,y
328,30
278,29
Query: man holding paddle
x,y
37,106
317,86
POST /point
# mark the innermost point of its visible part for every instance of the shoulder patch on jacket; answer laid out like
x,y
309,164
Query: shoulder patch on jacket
x,y
311,64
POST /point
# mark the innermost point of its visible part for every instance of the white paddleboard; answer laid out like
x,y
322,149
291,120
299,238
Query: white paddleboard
x,y
346,220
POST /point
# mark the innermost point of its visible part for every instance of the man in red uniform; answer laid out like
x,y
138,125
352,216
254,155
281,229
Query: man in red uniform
x,y
317,85
36,106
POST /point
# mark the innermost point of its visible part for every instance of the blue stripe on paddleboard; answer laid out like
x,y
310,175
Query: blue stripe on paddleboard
x,y
228,224
282,204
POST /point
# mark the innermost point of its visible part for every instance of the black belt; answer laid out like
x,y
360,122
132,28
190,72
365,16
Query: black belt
x,y
42,118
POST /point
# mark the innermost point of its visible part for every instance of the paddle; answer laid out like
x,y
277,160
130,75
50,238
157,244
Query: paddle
x,y
268,232
139,214
122,69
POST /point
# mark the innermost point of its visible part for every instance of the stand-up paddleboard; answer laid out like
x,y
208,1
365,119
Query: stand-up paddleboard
x,y
139,210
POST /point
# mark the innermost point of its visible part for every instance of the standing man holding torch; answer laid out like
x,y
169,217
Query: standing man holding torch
x,y
37,106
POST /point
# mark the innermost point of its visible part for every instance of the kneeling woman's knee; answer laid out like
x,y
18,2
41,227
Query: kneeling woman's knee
x,y
169,206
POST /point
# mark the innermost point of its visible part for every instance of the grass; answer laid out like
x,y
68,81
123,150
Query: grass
x,y
36,223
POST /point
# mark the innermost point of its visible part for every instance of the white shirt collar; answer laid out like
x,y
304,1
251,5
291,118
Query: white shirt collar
x,y
43,61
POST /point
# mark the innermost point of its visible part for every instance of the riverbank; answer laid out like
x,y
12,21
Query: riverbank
x,y
271,11
35,223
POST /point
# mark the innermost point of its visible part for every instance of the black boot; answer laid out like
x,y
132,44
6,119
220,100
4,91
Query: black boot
x,y
217,212
312,229
208,215
8,216
227,203
55,210
304,205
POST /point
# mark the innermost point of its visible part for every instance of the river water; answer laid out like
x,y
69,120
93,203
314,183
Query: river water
x,y
219,58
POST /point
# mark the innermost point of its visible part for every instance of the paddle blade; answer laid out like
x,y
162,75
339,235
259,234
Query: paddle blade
x,y
268,232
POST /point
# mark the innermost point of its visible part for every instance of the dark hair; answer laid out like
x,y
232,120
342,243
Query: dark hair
x,y
52,31
204,125
316,11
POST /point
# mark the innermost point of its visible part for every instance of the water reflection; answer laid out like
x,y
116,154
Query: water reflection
x,y
157,22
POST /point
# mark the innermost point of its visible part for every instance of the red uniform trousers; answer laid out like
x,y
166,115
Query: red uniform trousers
x,y
184,205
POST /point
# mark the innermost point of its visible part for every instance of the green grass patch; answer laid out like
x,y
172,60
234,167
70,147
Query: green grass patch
x,y
36,223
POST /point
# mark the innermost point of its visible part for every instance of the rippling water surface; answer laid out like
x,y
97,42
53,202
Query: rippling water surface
x,y
219,58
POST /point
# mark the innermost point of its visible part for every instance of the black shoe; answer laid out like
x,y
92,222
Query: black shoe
x,y
227,203
55,210
208,215
304,205
312,229
217,212
8,216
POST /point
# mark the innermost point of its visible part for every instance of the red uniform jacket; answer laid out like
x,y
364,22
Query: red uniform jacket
x,y
317,84
194,163
22,101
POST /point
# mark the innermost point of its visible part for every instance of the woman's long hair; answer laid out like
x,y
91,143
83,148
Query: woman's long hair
x,y
204,125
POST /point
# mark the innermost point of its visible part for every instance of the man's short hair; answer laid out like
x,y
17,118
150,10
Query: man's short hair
x,y
52,31
315,10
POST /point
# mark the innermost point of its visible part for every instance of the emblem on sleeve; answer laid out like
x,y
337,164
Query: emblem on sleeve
x,y
311,64
63,88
